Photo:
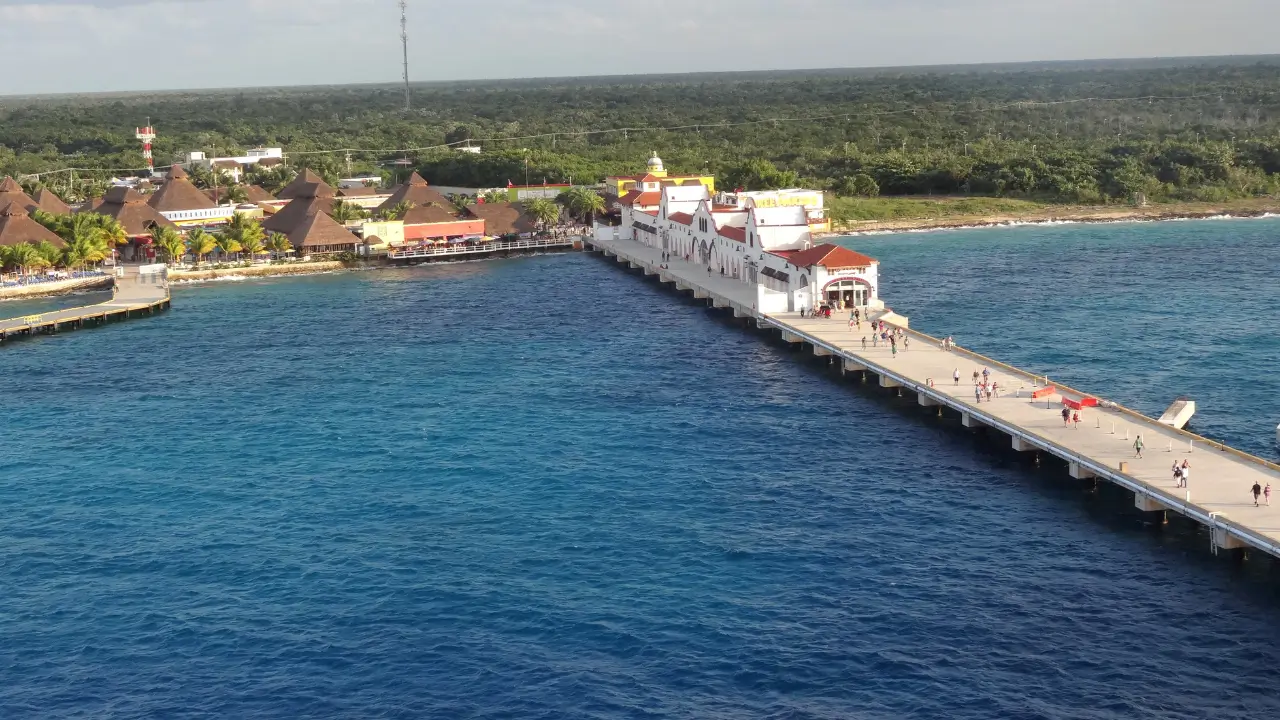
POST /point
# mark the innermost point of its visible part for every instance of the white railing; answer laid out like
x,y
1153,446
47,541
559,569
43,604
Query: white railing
x,y
424,251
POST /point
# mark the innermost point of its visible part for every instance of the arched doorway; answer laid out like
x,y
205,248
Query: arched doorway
x,y
704,253
851,292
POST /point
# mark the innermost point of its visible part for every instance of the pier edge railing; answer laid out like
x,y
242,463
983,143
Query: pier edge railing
x,y
1112,405
1211,519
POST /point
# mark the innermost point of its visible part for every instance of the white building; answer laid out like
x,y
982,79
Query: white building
x,y
235,166
769,248
811,200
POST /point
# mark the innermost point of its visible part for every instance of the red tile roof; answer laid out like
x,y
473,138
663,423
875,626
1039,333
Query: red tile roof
x,y
828,256
682,218
636,197
734,233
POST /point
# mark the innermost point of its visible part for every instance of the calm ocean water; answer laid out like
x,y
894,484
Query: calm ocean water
x,y
543,488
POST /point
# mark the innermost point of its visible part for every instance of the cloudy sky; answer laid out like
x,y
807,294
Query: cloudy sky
x,y
107,45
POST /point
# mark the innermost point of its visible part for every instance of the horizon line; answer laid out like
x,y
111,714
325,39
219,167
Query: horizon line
x,y
1177,60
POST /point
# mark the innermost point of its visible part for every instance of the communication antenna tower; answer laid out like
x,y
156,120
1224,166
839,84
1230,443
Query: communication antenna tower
x,y
404,43
146,135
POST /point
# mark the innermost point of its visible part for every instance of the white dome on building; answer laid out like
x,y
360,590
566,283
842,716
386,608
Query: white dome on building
x,y
655,164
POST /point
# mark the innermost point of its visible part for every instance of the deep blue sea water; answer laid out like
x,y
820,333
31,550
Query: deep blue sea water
x,y
544,488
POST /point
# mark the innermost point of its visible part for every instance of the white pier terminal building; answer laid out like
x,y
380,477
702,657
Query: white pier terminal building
x,y
770,248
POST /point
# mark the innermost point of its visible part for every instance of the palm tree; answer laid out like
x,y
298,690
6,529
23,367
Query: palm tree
x,y
459,202
279,245
247,233
170,242
346,212
543,210
199,243
226,244
395,212
252,245
582,203
497,196
235,195
113,233
25,256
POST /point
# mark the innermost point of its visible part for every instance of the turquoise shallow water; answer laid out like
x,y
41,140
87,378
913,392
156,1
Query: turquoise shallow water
x,y
545,488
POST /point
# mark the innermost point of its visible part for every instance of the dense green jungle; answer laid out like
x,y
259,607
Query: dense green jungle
x,y
1078,133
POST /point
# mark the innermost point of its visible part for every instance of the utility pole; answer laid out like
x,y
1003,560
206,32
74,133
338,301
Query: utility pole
x,y
404,43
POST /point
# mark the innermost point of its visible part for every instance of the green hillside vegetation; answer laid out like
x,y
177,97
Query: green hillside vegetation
x,y
1208,131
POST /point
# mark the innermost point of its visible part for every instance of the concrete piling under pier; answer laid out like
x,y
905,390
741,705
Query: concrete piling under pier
x,y
1090,449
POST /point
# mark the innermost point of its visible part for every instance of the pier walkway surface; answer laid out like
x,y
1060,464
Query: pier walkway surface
x,y
1100,446
140,290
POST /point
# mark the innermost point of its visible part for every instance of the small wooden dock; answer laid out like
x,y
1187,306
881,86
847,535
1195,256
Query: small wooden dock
x,y
139,292
1028,410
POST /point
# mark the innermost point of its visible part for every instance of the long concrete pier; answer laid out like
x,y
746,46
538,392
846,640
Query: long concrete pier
x,y
1028,410
140,291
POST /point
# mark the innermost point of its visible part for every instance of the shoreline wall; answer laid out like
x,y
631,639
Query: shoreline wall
x,y
59,287
257,271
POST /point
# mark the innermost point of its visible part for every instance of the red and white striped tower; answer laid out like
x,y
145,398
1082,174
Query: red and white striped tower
x,y
146,135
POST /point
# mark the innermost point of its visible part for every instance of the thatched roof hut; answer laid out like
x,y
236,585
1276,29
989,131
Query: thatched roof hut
x,y
178,193
504,218
17,227
306,181
319,234
47,201
11,191
415,192
132,212
310,198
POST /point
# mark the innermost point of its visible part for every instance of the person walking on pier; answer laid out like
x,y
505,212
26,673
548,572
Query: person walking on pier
x,y
1186,474
1177,474
977,394
906,343
1066,416
1075,420
1257,492
864,342
1138,445
1266,492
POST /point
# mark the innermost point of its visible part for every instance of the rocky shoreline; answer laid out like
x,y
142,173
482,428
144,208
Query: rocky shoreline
x,y
256,271
1049,217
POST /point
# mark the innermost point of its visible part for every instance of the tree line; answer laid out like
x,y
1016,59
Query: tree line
x,y
1070,133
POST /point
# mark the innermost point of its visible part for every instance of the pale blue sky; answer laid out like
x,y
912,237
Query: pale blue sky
x,y
98,45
